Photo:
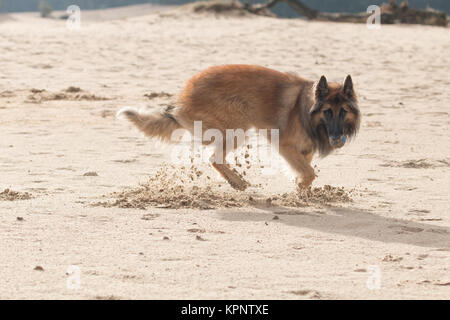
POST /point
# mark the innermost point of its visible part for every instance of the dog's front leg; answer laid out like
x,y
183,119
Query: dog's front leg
x,y
300,163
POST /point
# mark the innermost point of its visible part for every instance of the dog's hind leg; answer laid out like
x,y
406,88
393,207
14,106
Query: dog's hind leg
x,y
235,180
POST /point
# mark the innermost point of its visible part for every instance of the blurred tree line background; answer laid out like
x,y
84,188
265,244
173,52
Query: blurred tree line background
x,y
281,9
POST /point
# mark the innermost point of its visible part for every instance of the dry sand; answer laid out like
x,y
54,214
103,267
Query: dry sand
x,y
78,186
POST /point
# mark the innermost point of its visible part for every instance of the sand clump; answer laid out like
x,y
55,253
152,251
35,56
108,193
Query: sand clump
x,y
7,94
161,94
11,195
171,188
418,164
192,188
71,93
314,195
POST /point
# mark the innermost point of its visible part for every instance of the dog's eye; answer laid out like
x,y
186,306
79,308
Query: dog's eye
x,y
328,113
342,113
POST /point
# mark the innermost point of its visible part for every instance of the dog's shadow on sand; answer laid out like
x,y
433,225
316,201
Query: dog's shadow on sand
x,y
350,222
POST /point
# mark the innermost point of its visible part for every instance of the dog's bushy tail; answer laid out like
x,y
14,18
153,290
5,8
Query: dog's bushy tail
x,y
160,125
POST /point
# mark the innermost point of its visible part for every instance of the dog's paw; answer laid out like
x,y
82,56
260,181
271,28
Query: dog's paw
x,y
240,186
238,183
304,183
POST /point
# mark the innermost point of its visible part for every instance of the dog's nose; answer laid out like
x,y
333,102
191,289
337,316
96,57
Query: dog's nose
x,y
337,142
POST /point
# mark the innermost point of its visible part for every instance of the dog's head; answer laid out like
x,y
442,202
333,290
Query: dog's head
x,y
335,114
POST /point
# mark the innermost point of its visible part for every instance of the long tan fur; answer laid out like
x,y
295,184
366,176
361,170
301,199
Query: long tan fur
x,y
248,96
160,125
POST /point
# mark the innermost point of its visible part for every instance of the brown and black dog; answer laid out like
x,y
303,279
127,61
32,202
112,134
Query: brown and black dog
x,y
310,118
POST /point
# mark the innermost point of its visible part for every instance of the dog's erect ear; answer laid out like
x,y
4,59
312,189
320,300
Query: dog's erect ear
x,y
322,88
348,87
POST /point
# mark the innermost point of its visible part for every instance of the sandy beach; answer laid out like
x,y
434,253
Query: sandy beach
x,y
73,176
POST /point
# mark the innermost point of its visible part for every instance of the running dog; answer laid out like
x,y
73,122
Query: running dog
x,y
311,117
